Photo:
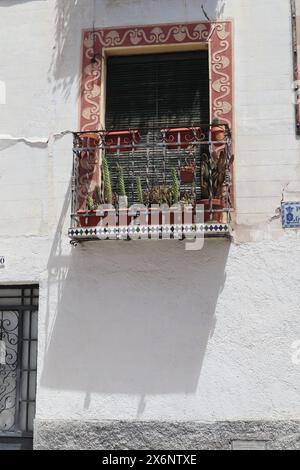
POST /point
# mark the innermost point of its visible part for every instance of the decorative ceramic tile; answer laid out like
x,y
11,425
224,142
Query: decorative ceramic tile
x,y
141,232
290,214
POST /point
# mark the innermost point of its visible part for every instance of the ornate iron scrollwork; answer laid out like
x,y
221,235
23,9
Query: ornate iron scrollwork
x,y
9,332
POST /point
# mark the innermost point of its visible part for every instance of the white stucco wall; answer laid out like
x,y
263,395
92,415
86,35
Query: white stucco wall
x,y
145,329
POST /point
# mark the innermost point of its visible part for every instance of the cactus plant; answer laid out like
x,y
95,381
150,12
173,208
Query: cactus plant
x,y
175,186
107,182
139,191
121,181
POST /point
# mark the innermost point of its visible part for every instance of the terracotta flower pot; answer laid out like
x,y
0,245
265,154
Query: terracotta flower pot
x,y
88,167
122,139
187,136
218,134
187,174
91,139
88,218
217,204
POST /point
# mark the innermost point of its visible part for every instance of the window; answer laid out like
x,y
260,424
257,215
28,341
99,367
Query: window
x,y
150,93
159,148
18,334
154,91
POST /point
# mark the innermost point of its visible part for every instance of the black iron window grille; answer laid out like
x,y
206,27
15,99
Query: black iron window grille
x,y
18,368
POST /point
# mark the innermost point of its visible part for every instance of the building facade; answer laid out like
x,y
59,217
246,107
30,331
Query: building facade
x,y
113,341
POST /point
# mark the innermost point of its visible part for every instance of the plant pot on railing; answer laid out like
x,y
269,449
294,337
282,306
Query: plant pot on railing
x,y
88,218
90,140
187,174
88,167
121,141
217,204
218,134
181,137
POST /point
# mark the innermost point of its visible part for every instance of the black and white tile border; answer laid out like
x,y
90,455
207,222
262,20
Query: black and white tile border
x,y
140,232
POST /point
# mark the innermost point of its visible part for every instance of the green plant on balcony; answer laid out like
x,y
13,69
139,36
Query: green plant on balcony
x,y
163,194
175,186
166,195
121,181
188,198
213,173
159,195
122,197
108,194
94,201
97,197
89,203
139,191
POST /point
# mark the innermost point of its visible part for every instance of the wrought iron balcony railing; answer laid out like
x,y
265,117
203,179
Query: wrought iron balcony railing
x,y
137,182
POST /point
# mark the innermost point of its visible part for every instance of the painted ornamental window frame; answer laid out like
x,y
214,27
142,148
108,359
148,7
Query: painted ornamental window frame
x,y
99,43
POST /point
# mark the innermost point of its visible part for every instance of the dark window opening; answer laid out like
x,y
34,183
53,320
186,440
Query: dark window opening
x,y
157,91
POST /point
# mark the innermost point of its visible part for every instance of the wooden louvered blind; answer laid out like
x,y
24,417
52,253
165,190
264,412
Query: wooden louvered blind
x,y
153,91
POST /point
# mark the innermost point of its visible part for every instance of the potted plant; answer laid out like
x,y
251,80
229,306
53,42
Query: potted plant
x,y
176,212
187,173
139,191
88,170
139,212
151,198
181,136
89,216
175,186
159,201
108,194
217,132
213,171
121,141
188,202
122,199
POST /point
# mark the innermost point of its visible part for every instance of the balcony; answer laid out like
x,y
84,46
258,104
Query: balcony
x,y
158,183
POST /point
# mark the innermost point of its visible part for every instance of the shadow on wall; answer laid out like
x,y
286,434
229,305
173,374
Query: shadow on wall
x,y
127,317
11,3
212,8
132,317
64,70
